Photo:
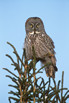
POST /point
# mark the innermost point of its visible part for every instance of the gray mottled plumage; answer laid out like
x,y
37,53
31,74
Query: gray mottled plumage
x,y
43,44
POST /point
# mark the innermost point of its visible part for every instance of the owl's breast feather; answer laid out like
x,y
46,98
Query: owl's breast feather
x,y
32,39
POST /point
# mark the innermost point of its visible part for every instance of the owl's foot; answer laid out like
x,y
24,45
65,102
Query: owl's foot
x,y
50,54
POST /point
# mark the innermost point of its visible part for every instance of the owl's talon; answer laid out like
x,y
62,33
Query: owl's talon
x,y
51,55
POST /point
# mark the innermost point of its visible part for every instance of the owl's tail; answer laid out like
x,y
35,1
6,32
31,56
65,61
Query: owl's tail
x,y
51,68
50,71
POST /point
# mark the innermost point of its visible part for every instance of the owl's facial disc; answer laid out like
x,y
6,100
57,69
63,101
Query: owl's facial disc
x,y
34,27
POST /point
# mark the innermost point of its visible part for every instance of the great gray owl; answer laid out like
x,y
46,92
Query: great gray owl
x,y
42,43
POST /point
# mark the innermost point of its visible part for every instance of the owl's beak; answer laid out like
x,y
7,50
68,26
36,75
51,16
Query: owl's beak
x,y
34,30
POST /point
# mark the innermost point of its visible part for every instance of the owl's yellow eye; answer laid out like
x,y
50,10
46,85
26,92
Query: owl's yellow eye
x,y
31,26
37,26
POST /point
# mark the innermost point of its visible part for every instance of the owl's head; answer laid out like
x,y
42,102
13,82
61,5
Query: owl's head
x,y
34,25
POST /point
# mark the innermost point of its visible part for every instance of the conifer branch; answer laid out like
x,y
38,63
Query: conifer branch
x,y
26,83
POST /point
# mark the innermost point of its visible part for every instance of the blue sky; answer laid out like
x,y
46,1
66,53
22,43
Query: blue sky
x,y
13,14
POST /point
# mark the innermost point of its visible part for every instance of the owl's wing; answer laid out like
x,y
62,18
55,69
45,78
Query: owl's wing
x,y
46,43
49,43
43,45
